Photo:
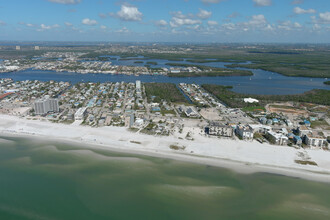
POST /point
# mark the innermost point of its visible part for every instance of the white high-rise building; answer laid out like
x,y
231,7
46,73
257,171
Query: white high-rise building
x,y
18,47
36,48
46,105
138,84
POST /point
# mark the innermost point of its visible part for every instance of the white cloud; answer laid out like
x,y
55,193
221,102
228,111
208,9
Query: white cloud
x,y
128,13
212,23
161,23
103,27
297,2
203,14
66,2
262,2
297,25
179,19
325,17
211,1
102,15
257,20
2,23
44,27
177,22
88,21
26,24
68,24
298,10
123,30
233,15
288,25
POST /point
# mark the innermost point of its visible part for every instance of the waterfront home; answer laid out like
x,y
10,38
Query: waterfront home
x,y
315,139
245,132
277,138
218,129
303,130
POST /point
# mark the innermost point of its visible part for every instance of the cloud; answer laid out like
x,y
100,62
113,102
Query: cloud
x,y
161,23
177,22
26,24
257,20
68,24
179,19
288,25
262,3
297,2
212,23
102,15
89,22
298,10
2,23
103,27
325,17
128,13
123,30
44,27
66,2
233,15
297,25
211,1
203,14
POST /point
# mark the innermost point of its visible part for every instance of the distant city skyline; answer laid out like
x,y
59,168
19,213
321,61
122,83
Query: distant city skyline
x,y
219,21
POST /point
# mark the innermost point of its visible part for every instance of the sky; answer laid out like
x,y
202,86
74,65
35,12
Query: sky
x,y
209,21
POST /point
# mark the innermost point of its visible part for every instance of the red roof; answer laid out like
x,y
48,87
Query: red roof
x,y
5,95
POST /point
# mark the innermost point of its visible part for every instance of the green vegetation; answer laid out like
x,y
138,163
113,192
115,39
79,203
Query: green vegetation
x,y
235,100
327,82
175,147
138,61
152,63
305,162
319,123
207,71
254,108
164,91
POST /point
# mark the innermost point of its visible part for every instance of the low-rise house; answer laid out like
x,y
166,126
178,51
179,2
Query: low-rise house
x,y
307,123
190,112
303,130
315,139
277,138
297,140
80,114
245,132
288,123
218,129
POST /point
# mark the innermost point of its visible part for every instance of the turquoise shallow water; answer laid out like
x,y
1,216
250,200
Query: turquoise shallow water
x,y
40,180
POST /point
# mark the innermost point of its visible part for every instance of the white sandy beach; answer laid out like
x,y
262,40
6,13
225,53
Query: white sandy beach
x,y
240,156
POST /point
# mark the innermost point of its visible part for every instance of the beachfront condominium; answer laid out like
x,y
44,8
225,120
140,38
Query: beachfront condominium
x,y
46,105
138,84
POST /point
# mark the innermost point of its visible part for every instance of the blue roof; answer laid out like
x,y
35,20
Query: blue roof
x,y
297,137
306,122
155,109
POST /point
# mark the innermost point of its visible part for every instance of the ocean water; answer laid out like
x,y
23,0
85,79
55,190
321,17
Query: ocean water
x,y
50,180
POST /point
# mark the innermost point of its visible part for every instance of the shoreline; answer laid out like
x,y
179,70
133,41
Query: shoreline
x,y
241,157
